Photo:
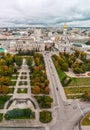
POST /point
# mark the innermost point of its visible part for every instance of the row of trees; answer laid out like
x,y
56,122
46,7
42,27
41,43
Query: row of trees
x,y
29,61
39,81
77,61
38,76
7,68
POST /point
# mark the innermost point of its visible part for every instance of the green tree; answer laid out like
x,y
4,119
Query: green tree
x,y
18,60
77,53
64,67
86,96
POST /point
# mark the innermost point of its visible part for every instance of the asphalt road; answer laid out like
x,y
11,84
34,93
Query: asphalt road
x,y
22,128
69,114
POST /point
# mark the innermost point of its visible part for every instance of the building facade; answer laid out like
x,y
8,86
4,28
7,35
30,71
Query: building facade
x,y
64,43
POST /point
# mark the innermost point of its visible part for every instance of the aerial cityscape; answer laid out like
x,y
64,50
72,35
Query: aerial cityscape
x,y
44,65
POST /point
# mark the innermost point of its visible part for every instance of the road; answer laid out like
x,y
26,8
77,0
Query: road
x,y
68,114
22,128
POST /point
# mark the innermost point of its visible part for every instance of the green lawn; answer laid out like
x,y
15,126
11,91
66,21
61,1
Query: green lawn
x,y
20,90
86,120
16,73
23,77
61,74
75,90
73,96
14,77
12,83
23,83
80,82
11,90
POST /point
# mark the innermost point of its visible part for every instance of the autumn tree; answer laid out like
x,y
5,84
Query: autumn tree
x,y
35,90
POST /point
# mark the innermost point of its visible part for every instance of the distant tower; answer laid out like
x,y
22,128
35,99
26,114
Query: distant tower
x,y
65,29
64,45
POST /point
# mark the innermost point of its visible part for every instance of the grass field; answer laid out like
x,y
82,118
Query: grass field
x,y
75,90
14,77
12,83
80,82
74,96
20,90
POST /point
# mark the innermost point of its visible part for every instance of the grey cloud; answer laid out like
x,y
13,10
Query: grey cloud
x,y
43,12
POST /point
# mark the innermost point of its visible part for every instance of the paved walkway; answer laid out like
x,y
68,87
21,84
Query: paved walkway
x,y
71,74
85,127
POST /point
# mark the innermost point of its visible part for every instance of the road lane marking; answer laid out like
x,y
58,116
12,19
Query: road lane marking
x,y
80,109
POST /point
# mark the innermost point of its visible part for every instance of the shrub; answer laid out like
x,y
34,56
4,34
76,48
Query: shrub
x,y
19,114
45,116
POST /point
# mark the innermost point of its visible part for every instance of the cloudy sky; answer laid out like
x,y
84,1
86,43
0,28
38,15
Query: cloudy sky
x,y
44,12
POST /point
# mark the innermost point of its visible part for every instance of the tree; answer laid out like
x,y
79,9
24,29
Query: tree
x,y
35,90
47,90
18,60
9,61
5,69
10,71
77,70
77,53
4,81
86,96
60,61
29,61
64,67
1,71
2,62
83,56
46,82
4,89
87,67
70,62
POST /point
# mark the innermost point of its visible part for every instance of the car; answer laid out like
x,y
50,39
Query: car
x,y
57,89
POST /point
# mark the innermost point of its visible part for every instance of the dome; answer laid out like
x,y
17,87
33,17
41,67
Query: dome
x,y
65,26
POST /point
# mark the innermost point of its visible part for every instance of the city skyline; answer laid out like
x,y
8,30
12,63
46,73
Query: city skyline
x,y
44,13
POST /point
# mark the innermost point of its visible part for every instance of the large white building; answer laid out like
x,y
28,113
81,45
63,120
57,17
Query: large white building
x,y
26,45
